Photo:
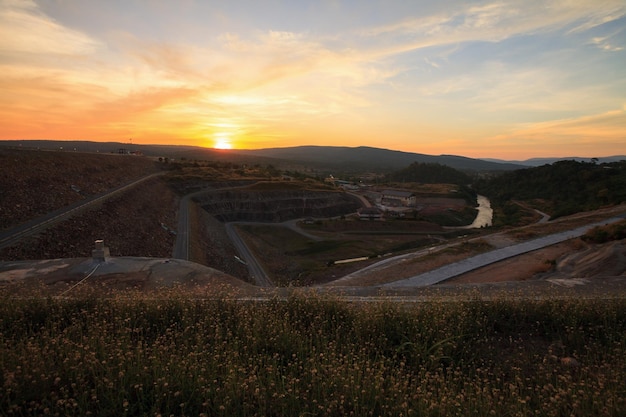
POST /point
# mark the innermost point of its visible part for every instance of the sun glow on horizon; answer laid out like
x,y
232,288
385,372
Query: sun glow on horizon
x,y
223,144
482,81
223,141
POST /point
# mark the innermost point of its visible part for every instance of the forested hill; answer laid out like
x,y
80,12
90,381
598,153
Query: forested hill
x,y
429,173
364,158
569,186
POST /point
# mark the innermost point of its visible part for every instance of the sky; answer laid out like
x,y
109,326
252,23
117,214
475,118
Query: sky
x,y
484,79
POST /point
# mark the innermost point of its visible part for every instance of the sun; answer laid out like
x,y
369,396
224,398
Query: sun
x,y
223,144
222,141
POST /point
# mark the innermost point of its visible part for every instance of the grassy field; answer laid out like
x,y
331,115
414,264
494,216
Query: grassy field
x,y
309,356
293,259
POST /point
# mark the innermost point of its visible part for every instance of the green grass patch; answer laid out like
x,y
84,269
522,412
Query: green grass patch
x,y
472,247
603,234
284,241
275,236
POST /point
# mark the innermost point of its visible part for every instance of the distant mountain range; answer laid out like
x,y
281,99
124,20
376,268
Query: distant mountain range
x,y
536,162
332,159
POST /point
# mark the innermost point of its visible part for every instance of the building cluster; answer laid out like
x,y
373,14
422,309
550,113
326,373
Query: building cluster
x,y
387,202
125,151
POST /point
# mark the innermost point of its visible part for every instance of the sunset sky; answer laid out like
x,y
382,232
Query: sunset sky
x,y
483,79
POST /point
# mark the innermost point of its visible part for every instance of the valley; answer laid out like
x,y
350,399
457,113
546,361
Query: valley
x,y
300,231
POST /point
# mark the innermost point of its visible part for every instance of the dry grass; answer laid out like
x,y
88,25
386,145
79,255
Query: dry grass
x,y
172,355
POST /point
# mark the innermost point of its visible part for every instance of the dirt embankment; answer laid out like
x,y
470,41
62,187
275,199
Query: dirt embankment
x,y
33,183
211,246
138,222
566,263
572,260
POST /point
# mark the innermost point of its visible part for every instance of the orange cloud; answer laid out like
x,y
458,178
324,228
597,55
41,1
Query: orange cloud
x,y
262,88
595,135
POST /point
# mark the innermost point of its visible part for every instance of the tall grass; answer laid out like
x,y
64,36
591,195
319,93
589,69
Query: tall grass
x,y
311,356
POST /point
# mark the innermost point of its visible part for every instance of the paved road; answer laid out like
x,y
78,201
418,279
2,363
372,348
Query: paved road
x,y
181,246
363,200
256,270
479,261
12,236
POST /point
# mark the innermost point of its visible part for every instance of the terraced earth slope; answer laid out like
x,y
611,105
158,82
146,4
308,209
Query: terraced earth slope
x,y
275,205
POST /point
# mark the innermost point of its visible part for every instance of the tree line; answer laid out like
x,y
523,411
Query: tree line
x,y
568,186
429,173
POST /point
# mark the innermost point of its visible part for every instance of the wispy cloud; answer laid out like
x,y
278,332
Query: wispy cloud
x,y
24,29
600,132
492,22
612,123
595,15
606,43
453,70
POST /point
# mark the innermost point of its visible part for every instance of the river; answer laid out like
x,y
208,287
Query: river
x,y
484,217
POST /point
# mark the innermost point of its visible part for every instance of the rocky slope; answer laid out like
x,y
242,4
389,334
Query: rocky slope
x,y
138,222
33,183
275,205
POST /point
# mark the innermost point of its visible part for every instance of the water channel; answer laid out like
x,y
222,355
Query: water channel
x,y
484,217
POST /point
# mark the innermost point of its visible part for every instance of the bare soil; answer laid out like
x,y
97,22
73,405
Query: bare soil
x,y
567,260
520,268
79,276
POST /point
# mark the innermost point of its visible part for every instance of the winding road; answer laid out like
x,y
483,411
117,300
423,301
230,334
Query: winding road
x,y
446,272
479,261
181,246
257,273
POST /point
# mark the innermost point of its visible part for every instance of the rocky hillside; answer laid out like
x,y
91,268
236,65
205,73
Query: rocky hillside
x,y
275,205
138,222
33,183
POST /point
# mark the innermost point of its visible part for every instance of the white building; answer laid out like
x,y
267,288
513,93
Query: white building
x,y
398,198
